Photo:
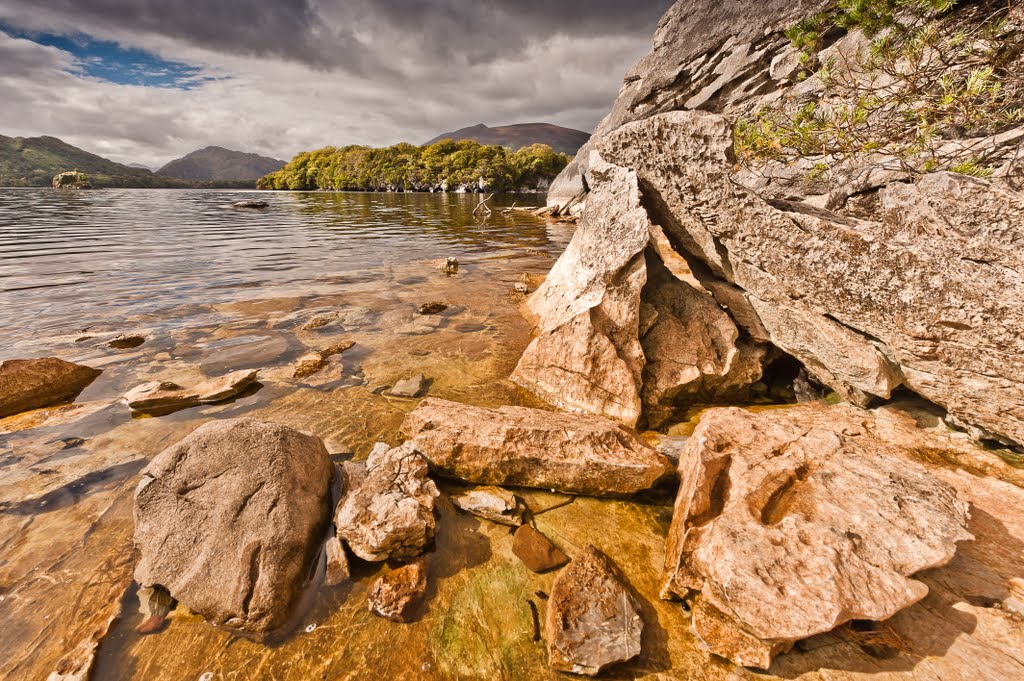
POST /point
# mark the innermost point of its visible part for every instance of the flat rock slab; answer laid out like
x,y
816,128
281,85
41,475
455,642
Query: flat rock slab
x,y
593,620
396,594
390,514
537,551
229,519
168,396
792,522
491,503
580,454
27,384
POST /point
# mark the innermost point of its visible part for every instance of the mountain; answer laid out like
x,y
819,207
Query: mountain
x,y
140,166
218,164
33,161
564,140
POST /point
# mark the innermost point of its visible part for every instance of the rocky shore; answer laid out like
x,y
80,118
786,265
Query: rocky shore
x,y
760,428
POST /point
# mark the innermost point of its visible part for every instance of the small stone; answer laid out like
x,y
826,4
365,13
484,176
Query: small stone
x,y
126,342
450,266
520,287
318,322
593,620
252,204
431,308
537,551
491,503
308,364
337,348
337,563
410,387
154,604
396,594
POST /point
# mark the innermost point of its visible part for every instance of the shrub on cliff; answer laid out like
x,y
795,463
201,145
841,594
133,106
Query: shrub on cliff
x,y
929,85
444,165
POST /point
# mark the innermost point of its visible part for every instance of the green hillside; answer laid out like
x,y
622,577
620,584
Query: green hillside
x,y
33,161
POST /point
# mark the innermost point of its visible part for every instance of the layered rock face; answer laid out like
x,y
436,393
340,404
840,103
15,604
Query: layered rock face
x,y
879,283
791,522
228,520
533,448
33,383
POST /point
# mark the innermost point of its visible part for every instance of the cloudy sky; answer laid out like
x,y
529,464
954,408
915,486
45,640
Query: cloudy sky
x,y
149,80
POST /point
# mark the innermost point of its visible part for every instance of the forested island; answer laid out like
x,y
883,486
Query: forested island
x,y
444,166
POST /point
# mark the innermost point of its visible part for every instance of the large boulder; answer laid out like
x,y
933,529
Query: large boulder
x,y
792,522
390,514
875,280
229,519
523,447
34,383
924,293
593,619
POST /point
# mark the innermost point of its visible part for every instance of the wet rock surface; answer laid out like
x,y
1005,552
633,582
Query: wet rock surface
x,y
27,384
533,448
162,396
228,519
410,387
390,514
792,522
126,341
396,595
537,551
593,619
337,563
491,503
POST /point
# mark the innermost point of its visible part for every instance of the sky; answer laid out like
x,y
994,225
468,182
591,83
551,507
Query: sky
x,y
146,81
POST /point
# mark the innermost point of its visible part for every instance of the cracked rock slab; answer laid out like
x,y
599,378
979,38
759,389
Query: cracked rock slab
x,y
229,519
517,446
792,522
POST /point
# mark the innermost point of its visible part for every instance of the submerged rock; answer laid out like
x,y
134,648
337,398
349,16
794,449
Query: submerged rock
x,y
593,620
251,204
390,514
166,395
155,604
126,342
450,266
792,522
410,387
537,552
337,563
229,519
27,384
491,503
431,308
396,594
517,446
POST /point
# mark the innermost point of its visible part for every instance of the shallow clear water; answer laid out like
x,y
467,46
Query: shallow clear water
x,y
66,257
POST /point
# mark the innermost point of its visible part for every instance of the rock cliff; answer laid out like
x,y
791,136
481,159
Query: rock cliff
x,y
690,271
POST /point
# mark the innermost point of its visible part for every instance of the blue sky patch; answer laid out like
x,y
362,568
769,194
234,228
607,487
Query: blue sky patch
x,y
111,62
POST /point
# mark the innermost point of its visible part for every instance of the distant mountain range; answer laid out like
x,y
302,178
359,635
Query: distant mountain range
x,y
216,164
565,140
33,161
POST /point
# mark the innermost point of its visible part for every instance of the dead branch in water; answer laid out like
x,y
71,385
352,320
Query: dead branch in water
x,y
483,206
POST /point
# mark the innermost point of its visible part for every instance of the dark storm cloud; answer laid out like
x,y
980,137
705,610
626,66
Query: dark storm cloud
x,y
353,34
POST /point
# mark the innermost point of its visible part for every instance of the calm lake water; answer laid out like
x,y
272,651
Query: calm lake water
x,y
70,259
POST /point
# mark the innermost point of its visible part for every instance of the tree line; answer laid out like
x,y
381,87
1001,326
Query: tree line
x,y
445,166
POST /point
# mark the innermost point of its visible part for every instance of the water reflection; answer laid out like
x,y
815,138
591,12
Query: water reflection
x,y
66,255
